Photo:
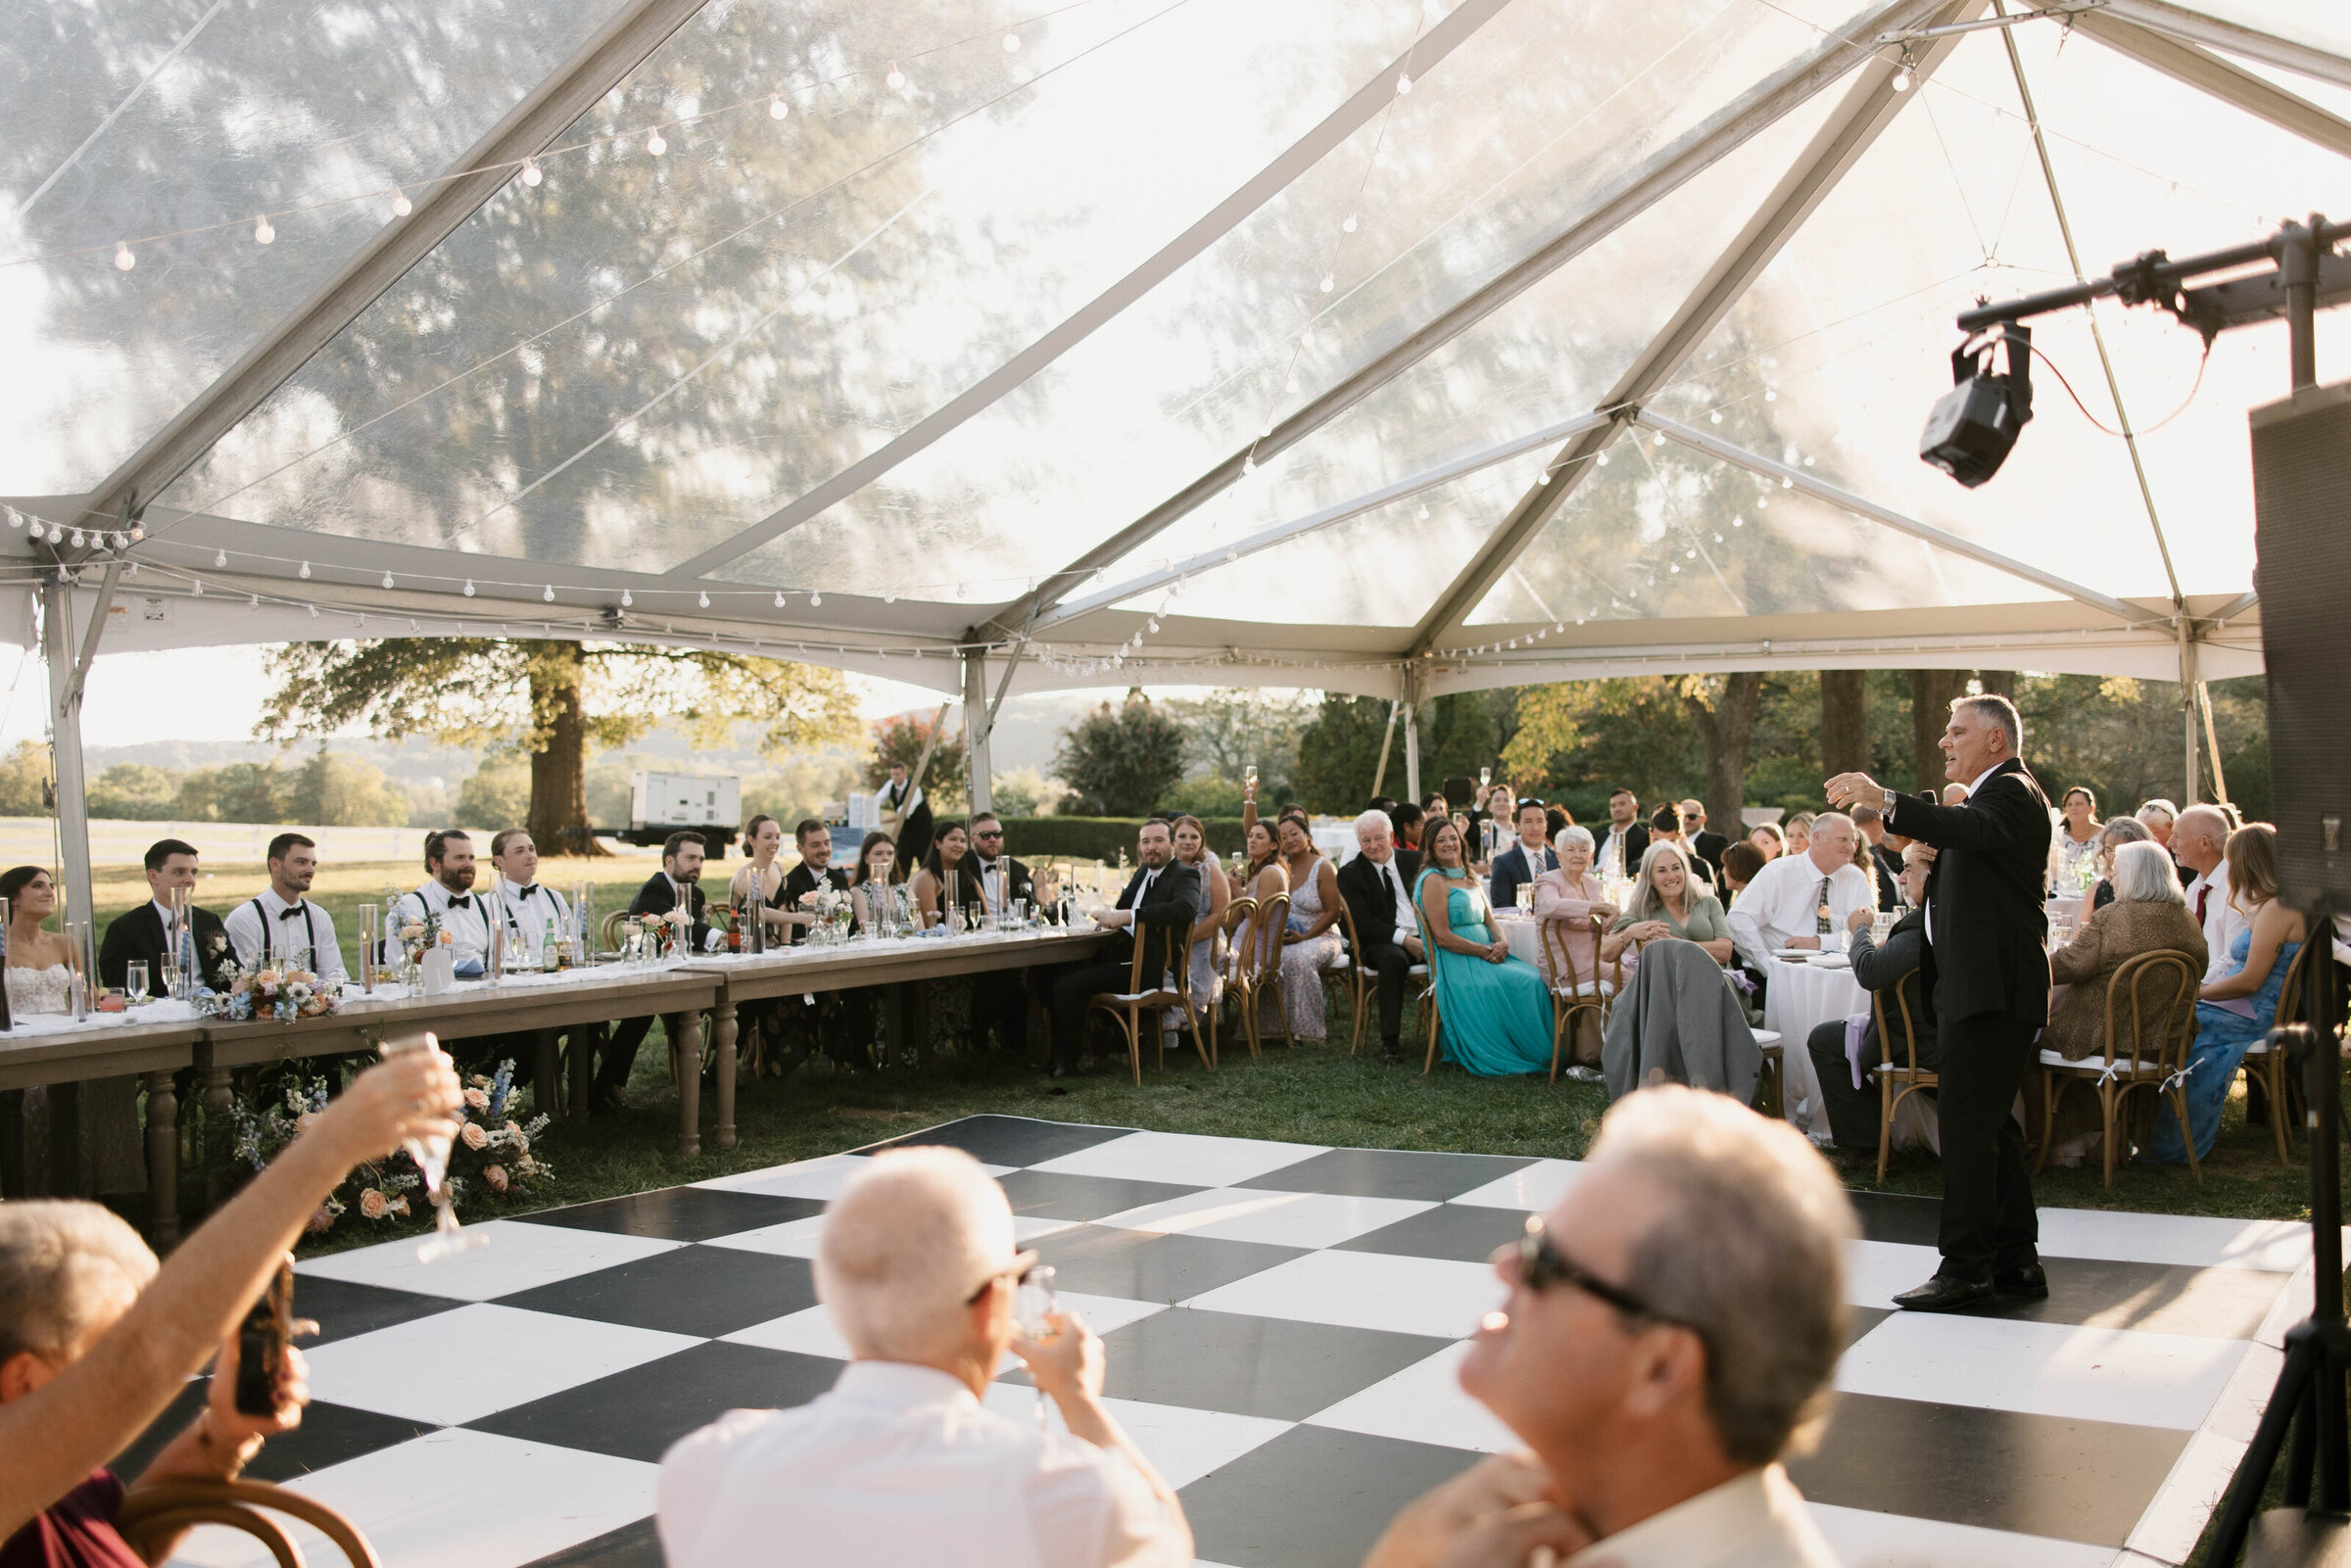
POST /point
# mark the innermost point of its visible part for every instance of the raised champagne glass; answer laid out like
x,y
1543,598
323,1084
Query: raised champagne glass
x,y
431,1155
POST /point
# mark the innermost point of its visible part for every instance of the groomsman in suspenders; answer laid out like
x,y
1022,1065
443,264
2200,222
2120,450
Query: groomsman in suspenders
x,y
447,891
528,907
281,925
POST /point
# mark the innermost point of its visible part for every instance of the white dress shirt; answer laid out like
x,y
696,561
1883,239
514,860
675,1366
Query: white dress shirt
x,y
1408,918
467,923
261,927
1755,1520
526,907
898,1464
1782,903
2221,918
1600,852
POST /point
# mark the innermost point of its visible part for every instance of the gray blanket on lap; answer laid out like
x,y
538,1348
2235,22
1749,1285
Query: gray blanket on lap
x,y
1680,1022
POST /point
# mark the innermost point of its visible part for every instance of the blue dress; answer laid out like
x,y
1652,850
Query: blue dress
x,y
2222,1036
1495,1019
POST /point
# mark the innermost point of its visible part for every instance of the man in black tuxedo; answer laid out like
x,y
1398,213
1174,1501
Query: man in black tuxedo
x,y
1705,845
677,885
906,816
1621,845
1378,885
1001,999
1986,941
1853,1113
139,934
1157,908
1525,860
815,870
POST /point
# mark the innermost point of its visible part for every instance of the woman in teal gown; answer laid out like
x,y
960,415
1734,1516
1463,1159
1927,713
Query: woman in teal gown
x,y
1494,1015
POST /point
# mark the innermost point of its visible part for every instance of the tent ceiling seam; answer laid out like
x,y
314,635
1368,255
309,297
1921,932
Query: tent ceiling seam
x,y
2199,68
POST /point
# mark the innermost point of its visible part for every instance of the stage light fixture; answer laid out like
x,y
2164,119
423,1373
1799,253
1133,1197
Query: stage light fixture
x,y
1972,426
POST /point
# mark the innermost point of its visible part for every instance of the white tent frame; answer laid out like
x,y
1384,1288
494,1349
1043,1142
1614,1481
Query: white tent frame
x,y
2198,636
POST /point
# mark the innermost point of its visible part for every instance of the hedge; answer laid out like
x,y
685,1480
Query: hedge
x,y
1033,838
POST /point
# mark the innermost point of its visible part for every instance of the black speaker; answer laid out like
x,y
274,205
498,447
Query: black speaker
x,y
2302,542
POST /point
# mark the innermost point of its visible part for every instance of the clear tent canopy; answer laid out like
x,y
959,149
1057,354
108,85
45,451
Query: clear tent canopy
x,y
1378,346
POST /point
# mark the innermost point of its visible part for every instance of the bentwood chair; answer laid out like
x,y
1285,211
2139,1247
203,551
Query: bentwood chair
x,y
2155,994
1257,967
1572,993
1771,1076
1140,1002
158,1512
1363,980
2268,1067
1898,1073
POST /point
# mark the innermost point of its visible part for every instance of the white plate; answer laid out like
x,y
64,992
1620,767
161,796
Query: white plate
x,y
1830,961
1797,955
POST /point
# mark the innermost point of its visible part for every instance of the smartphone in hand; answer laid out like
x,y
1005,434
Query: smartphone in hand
x,y
262,1341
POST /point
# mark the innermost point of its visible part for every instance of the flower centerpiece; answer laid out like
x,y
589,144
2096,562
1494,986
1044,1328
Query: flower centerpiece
x,y
667,933
279,991
830,905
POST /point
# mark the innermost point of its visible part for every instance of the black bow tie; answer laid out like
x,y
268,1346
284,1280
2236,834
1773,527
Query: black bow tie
x,y
290,911
460,901
530,891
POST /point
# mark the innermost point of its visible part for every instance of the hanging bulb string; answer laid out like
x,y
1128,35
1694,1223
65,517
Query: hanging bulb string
x,y
215,502
517,165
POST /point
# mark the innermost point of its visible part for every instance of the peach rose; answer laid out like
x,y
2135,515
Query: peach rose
x,y
322,1220
496,1176
373,1204
478,1099
474,1136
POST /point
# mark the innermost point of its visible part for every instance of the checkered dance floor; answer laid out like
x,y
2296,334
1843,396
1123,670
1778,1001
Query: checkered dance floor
x,y
1282,1324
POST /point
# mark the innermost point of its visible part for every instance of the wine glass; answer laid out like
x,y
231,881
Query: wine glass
x,y
135,981
431,1155
1034,1306
171,973
1485,779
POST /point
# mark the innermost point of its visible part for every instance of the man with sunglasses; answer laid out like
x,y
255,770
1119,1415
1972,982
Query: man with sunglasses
x,y
1670,1332
1000,999
902,1463
1705,845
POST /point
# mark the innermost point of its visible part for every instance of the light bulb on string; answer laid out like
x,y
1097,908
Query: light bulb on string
x,y
1347,227
305,573
401,207
1786,483
1330,281
627,598
815,600
76,539
16,518
219,560
1602,459
470,588
891,597
1901,72
779,599
1404,84
197,583
1715,417
897,78
263,233
1738,522
313,609
137,533
1423,512
547,594
703,599
777,107
1012,43
1659,440
57,534
387,580
254,602
655,145
123,259
531,174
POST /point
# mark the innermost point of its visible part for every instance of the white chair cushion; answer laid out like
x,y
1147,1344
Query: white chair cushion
x,y
1606,988
1767,1036
2095,1065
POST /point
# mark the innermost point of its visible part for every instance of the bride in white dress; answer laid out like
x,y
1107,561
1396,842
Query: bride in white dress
x,y
40,964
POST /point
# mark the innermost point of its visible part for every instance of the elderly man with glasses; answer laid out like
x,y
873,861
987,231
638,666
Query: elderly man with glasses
x,y
1670,1332
902,1463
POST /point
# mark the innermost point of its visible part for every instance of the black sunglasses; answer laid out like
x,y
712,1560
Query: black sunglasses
x,y
1694,816
1541,1266
990,833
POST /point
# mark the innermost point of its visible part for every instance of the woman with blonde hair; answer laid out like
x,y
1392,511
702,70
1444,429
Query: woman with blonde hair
x,y
1797,829
2239,1006
1667,900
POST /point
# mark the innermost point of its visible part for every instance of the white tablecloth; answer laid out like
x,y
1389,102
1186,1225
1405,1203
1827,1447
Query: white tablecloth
x,y
1524,933
1799,998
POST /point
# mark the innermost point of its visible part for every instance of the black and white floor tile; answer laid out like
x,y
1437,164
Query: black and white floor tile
x,y
1282,1323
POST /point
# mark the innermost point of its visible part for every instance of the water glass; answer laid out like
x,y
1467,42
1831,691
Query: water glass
x,y
135,981
1527,898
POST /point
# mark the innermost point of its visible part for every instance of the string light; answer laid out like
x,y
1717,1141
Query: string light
x,y
1330,281
1404,84
779,599
705,600
16,518
401,207
896,79
470,588
123,259
1901,72
815,600
263,233
547,594
627,598
77,539
219,560
305,573
387,580
1715,417
197,583
777,107
137,532
530,171
654,145
1347,227
57,534
1012,43
313,609
254,603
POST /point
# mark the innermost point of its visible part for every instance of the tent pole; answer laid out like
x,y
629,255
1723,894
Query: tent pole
x,y
65,741
1410,696
922,765
978,723
2211,744
2188,709
1387,741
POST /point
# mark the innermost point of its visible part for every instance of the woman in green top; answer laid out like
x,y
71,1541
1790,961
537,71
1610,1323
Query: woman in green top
x,y
1666,901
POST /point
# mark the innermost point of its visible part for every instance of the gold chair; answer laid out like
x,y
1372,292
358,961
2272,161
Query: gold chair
x,y
609,933
1771,1076
1431,1022
158,1512
1129,1008
2167,1022
1257,966
1570,993
2268,1067
1363,978
1892,1070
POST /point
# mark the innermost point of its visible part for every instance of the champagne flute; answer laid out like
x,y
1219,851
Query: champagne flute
x,y
1034,1307
135,981
431,1155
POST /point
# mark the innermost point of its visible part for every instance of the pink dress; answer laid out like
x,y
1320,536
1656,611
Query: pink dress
x,y
1556,900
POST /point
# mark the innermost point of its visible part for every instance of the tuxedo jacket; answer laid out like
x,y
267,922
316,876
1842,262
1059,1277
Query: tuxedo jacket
x,y
1018,884
1986,927
1903,956
1709,845
1164,919
139,935
1889,867
798,883
1636,845
1369,905
655,898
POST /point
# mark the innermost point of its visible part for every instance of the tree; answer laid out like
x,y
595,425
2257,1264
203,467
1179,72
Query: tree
x,y
234,792
1229,729
1844,722
900,738
1118,762
552,699
135,792
25,781
334,791
497,795
1931,696
1723,710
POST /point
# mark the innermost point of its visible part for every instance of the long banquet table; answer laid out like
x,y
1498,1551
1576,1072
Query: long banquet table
x,y
162,1037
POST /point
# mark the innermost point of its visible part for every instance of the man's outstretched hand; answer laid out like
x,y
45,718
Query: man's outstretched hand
x,y
1854,788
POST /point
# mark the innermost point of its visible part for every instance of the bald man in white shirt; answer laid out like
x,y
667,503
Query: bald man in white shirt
x,y
1781,906
900,1463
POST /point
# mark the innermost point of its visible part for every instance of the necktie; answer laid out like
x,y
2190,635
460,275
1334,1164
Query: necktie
x,y
1821,921
2202,893
1387,880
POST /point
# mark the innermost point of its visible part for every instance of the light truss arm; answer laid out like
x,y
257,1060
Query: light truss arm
x,y
2237,39
1276,176
1846,500
618,48
1282,533
2207,71
1868,108
1689,155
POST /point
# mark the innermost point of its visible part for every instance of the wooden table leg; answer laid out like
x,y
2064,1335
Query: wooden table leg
x,y
217,1100
724,1022
586,1042
894,1024
544,1085
163,1161
690,1082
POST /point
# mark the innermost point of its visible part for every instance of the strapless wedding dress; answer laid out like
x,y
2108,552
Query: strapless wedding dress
x,y
42,990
